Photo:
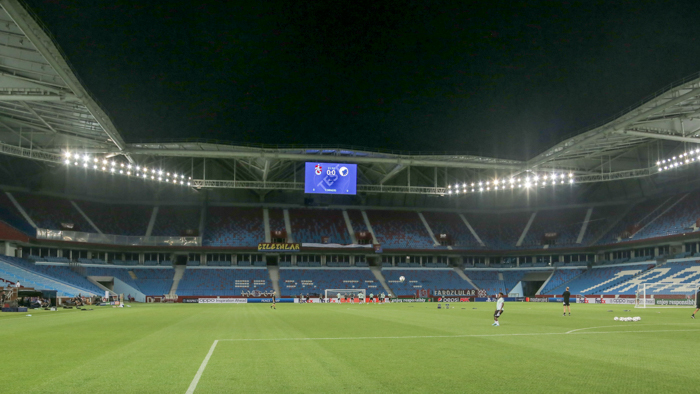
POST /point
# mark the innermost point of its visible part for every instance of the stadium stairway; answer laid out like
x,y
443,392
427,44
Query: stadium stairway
x,y
612,224
463,275
377,271
179,271
274,272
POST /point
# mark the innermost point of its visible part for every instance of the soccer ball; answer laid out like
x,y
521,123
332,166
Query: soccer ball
x,y
402,278
617,318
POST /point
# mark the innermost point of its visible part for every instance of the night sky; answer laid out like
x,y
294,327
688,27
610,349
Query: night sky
x,y
497,78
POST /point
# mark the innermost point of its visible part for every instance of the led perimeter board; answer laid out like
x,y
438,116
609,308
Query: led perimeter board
x,y
330,178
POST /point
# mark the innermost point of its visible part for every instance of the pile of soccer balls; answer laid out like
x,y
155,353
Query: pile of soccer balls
x,y
628,318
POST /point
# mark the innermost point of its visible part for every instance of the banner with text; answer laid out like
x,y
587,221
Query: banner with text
x,y
278,247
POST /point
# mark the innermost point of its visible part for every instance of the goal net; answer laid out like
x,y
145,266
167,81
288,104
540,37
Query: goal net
x,y
344,293
666,295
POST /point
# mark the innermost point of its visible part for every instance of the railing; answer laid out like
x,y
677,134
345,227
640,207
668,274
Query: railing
x,y
77,236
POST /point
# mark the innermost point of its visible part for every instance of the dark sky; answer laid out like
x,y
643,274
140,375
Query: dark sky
x,y
501,78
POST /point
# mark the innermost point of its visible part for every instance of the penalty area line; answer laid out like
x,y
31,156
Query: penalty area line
x,y
203,366
193,385
446,336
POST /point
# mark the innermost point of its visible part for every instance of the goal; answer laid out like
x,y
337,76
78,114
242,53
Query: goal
x,y
666,295
344,293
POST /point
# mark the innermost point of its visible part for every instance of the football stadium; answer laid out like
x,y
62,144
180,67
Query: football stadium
x,y
199,265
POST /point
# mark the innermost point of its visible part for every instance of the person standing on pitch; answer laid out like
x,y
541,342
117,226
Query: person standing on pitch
x,y
499,310
697,304
567,296
274,305
337,295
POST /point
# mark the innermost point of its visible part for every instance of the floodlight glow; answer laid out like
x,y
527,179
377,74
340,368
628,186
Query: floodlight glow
x,y
86,158
481,189
660,169
85,165
571,181
457,191
67,161
472,190
122,164
464,185
152,177
121,171
95,160
68,155
112,169
128,173
188,184
449,192
160,172
571,175
168,174
527,184
160,179
472,184
94,166
545,177
182,182
481,183
512,180
104,168
449,186
153,170
112,163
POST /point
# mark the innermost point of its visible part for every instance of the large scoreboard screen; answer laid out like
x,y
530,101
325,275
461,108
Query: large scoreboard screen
x,y
330,178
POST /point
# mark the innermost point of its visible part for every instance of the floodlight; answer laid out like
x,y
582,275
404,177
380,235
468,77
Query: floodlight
x,y
571,181
160,179
660,169
104,168
160,172
182,182
121,171
480,183
545,177
152,177
128,173
86,158
104,161
457,191
183,176
168,174
449,186
449,192
122,164
464,185
481,189
85,165
112,169
94,166
472,184
472,190
95,160
67,161
188,184
153,170
68,155
512,180
112,163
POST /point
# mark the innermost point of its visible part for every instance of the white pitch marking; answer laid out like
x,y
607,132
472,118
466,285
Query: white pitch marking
x,y
193,385
441,336
589,328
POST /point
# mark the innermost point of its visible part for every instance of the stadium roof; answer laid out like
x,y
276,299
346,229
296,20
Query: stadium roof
x,y
43,104
45,111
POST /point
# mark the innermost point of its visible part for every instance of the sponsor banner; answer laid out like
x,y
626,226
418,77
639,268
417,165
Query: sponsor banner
x,y
534,299
223,300
403,300
672,302
190,301
278,247
455,292
619,301
259,300
453,299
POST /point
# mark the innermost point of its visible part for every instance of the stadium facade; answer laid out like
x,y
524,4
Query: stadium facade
x,y
81,207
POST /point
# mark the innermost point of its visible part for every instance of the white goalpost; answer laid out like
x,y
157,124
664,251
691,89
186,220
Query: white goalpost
x,y
666,295
344,293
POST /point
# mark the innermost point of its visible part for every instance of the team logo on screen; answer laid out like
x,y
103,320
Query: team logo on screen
x,y
343,171
318,169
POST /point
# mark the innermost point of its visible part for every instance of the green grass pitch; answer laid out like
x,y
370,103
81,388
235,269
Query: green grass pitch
x,y
396,348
